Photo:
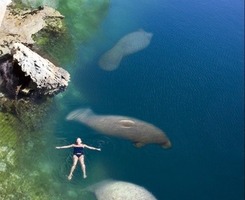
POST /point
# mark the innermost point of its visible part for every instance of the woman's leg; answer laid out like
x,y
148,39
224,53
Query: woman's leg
x,y
81,159
75,159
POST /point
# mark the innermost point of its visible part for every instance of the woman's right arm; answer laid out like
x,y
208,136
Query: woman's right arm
x,y
64,147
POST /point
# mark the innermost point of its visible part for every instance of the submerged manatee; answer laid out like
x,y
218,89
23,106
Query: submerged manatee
x,y
120,190
129,44
139,132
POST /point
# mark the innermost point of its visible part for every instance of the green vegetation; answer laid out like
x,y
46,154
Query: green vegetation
x,y
28,161
25,145
83,17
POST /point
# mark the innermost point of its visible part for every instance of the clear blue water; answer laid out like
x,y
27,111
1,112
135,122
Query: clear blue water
x,y
189,82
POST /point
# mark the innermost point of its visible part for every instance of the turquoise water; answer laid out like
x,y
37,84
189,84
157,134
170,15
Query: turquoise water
x,y
189,82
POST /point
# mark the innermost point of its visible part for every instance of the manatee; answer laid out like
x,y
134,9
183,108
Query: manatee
x,y
120,190
129,44
135,130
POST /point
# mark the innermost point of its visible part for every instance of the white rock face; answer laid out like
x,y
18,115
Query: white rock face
x,y
129,44
120,190
3,6
49,78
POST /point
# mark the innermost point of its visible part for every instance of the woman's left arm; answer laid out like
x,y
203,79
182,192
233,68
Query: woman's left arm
x,y
92,148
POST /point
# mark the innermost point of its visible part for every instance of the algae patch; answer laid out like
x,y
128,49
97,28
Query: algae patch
x,y
83,17
18,178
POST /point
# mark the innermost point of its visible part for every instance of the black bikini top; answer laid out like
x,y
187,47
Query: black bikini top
x,y
78,150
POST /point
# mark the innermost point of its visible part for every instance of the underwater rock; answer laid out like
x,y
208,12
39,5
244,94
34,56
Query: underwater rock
x,y
129,44
49,78
120,190
20,25
26,73
135,130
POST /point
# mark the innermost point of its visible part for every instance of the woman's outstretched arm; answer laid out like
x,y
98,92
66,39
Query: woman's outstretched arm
x,y
93,148
64,147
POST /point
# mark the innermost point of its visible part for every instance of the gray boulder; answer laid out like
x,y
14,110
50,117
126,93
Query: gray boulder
x,y
25,72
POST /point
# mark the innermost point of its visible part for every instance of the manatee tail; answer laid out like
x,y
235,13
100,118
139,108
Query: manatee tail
x,y
80,114
167,144
110,60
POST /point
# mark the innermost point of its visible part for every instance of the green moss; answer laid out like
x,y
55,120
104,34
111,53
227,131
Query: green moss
x,y
52,44
21,145
8,125
83,17
55,25
8,143
42,40
27,3
18,5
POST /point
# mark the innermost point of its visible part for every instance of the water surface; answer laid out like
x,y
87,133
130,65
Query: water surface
x,y
189,82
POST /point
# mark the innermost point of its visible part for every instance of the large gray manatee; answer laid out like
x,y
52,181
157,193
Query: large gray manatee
x,y
120,190
135,130
129,44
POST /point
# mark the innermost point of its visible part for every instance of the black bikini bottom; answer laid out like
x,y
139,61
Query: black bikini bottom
x,y
78,155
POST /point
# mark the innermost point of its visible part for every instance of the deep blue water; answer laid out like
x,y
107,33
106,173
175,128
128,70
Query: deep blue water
x,y
189,82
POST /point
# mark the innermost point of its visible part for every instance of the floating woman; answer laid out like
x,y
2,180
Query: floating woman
x,y
78,154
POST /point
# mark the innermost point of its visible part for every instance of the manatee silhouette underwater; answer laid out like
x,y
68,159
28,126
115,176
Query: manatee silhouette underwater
x,y
135,130
129,44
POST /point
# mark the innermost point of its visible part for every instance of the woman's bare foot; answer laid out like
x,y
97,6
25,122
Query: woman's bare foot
x,y
85,176
69,177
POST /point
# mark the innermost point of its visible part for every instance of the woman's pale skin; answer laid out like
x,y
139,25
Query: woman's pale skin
x,y
80,158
